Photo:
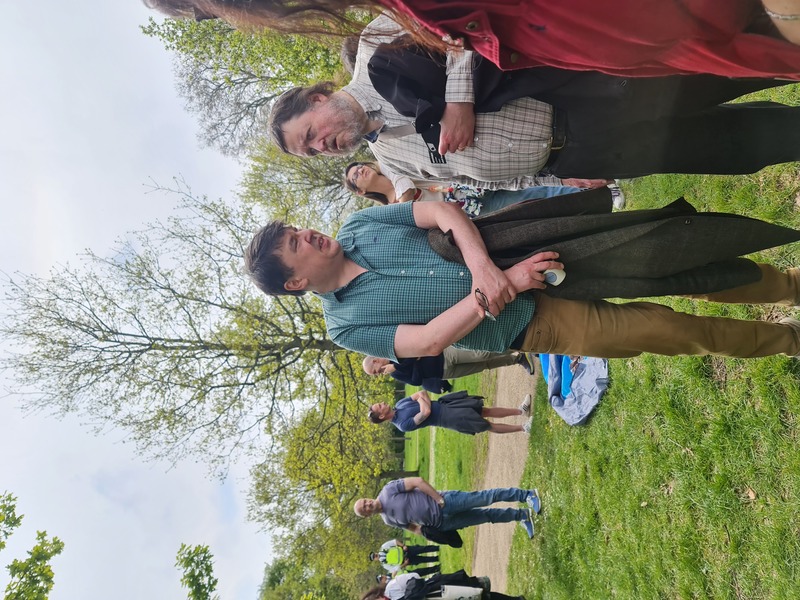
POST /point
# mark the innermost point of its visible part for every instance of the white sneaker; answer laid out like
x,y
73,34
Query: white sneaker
x,y
527,426
617,195
525,407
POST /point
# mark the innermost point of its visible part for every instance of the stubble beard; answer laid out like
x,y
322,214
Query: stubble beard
x,y
352,123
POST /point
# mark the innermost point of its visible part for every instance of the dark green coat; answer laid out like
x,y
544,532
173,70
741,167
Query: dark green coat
x,y
630,254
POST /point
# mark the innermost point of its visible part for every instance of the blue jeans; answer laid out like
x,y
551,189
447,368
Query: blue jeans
x,y
463,509
497,199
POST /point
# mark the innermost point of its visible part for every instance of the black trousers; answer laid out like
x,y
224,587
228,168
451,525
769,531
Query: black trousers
x,y
424,571
678,125
415,554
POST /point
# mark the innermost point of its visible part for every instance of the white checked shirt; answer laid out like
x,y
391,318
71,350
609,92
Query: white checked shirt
x,y
511,145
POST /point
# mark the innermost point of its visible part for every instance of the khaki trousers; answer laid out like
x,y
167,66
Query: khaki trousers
x,y
606,330
460,363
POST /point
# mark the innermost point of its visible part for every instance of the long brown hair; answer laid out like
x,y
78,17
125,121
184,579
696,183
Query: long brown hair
x,y
375,196
375,593
327,17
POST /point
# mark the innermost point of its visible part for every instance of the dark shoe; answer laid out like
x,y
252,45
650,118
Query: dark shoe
x,y
525,360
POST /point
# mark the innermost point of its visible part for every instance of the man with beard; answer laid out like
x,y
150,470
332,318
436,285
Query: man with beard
x,y
666,125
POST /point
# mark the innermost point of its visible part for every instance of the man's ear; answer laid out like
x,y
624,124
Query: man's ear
x,y
296,285
318,99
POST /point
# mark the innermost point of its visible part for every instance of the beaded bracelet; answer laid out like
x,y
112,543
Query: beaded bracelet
x,y
780,17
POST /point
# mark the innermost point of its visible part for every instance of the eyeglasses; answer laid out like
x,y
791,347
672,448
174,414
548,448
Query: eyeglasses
x,y
484,302
354,173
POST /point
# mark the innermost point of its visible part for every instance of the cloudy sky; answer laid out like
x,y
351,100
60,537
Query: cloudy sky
x,y
89,116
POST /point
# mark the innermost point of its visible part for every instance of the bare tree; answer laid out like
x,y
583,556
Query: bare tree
x,y
167,339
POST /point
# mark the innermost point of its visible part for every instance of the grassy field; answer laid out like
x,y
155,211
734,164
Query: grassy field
x,y
686,481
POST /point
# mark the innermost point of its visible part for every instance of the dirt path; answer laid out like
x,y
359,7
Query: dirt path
x,y
504,465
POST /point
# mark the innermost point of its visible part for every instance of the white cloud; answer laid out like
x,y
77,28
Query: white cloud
x,y
90,115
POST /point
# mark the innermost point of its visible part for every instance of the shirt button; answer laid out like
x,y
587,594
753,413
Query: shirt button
x,y
461,273
514,57
471,26
510,144
402,272
545,145
430,272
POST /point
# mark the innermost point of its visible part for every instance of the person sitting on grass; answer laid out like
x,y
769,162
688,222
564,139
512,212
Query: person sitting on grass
x,y
458,411
412,503
432,372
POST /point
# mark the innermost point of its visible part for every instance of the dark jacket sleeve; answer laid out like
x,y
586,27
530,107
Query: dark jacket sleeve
x,y
426,372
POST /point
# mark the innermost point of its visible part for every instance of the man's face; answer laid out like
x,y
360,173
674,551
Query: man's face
x,y
381,410
333,126
310,255
366,507
375,365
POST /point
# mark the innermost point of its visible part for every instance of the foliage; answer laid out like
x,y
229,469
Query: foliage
x,y
33,578
9,519
710,509
229,76
289,579
197,565
166,338
330,456
306,191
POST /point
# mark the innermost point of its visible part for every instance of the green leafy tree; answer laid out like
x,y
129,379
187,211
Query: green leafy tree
x,y
167,339
307,191
197,566
33,578
330,456
289,579
228,76
9,519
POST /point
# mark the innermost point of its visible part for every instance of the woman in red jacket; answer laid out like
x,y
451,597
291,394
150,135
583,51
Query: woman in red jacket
x,y
645,38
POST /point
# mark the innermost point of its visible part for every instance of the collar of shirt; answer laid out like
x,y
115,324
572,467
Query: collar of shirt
x,y
348,244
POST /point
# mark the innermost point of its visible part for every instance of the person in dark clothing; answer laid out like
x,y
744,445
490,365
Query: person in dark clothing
x,y
457,411
432,372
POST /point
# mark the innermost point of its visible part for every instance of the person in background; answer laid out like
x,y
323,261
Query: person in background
x,y
412,503
370,180
409,587
458,411
397,557
432,372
